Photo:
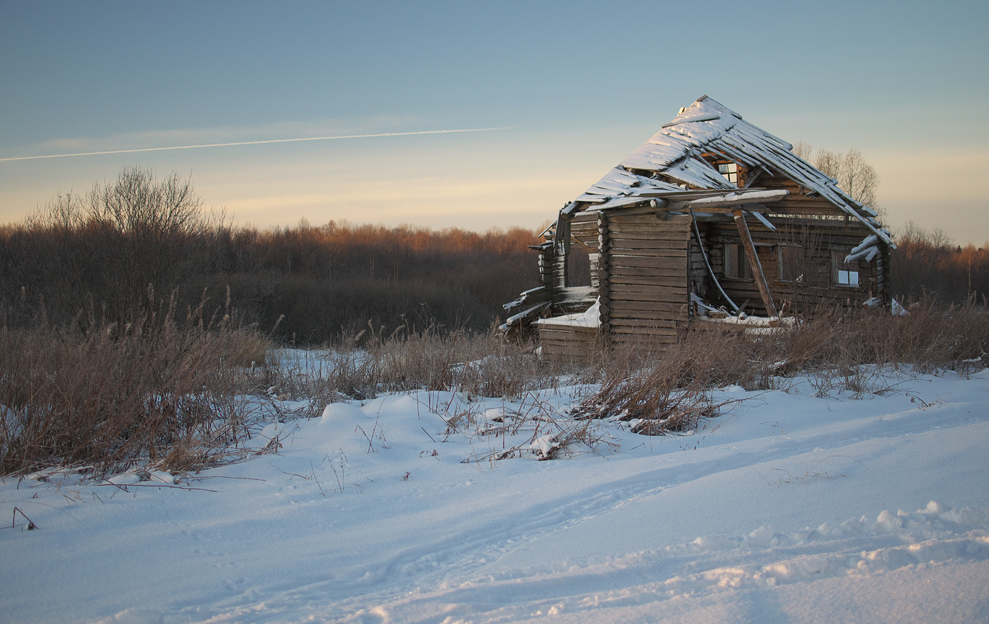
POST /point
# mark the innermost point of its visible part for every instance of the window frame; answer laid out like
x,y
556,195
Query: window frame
x,y
842,272
735,257
781,266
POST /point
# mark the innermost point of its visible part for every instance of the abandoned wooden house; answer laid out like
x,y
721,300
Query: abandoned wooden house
x,y
711,218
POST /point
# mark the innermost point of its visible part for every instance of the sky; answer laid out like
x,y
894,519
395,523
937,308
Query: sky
x,y
477,115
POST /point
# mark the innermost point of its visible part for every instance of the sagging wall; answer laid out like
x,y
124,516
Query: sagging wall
x,y
801,262
645,264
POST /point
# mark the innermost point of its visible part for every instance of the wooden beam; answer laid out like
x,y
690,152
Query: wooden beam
x,y
760,277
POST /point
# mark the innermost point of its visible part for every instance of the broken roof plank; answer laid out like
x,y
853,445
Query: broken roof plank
x,y
708,125
737,197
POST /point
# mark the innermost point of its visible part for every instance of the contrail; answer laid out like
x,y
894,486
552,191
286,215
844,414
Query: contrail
x,y
182,147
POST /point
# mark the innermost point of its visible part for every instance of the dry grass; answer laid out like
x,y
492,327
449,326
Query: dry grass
x,y
160,390
167,390
668,392
369,363
838,351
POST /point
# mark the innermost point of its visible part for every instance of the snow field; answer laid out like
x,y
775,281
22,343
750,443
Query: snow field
x,y
789,508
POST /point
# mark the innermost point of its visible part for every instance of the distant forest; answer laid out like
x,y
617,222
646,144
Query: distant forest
x,y
140,243
137,243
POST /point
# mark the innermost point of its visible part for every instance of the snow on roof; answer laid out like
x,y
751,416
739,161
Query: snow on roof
x,y
705,127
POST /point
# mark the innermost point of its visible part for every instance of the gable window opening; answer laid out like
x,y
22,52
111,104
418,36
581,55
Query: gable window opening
x,y
729,171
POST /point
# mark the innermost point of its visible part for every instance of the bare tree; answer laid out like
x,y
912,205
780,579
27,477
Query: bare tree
x,y
854,174
125,240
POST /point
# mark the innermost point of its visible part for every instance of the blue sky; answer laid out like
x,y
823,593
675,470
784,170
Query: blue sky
x,y
562,92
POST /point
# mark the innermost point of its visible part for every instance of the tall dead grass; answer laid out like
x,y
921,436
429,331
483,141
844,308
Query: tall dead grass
x,y
837,350
167,389
161,389
371,362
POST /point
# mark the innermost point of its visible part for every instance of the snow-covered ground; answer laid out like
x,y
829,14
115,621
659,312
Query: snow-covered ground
x,y
790,507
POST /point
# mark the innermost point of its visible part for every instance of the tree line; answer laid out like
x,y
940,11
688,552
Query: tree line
x,y
927,263
130,245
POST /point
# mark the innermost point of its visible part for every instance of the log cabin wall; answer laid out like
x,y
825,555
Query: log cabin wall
x,y
771,230
647,295
698,278
801,261
823,234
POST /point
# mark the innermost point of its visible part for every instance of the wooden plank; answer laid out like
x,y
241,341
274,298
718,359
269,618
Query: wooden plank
x,y
648,219
648,242
639,322
648,280
621,211
680,263
668,222
679,289
658,310
660,274
657,228
648,247
642,340
644,331
656,345
560,338
548,336
656,296
644,235
629,252
644,291
644,315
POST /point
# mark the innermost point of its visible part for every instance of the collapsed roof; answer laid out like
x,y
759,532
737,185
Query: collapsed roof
x,y
671,162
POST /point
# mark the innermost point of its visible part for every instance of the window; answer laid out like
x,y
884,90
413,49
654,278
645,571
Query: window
x,y
791,263
730,172
843,274
848,278
736,264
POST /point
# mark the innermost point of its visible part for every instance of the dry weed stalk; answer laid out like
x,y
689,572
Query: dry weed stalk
x,y
157,390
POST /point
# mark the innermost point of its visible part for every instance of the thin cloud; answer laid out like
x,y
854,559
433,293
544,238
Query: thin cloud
x,y
263,142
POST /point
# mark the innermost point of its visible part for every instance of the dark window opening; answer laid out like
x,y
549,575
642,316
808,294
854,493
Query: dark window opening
x,y
791,264
736,263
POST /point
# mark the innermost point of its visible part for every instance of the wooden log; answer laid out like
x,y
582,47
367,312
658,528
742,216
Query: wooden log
x,y
652,281
634,262
656,296
680,289
617,328
653,312
649,247
660,274
660,323
619,288
756,266
666,310
658,229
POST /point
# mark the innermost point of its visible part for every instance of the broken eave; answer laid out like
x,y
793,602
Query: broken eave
x,y
706,201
